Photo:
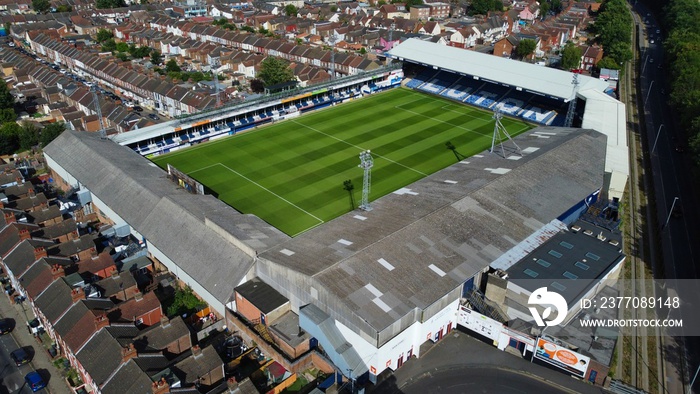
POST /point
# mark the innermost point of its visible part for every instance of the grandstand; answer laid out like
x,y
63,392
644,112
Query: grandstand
x,y
536,94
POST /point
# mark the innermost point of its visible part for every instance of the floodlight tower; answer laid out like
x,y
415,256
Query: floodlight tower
x,y
500,133
391,33
366,163
572,104
98,110
332,39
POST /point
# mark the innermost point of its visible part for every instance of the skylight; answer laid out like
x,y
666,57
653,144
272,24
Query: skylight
x,y
531,273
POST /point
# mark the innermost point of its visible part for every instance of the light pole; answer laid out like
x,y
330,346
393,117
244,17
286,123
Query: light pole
x,y
670,212
658,133
648,91
537,339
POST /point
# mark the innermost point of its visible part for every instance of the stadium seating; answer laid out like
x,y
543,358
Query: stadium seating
x,y
439,82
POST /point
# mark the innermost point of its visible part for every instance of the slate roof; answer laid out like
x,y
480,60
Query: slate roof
x,y
128,379
189,369
55,300
100,356
56,230
159,336
115,284
76,326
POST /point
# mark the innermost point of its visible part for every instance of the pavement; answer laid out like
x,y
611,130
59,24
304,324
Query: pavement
x,y
41,362
459,351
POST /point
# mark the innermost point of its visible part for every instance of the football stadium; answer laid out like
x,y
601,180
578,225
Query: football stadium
x,y
291,174
368,287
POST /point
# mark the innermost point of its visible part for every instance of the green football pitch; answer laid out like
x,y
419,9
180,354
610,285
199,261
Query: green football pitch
x,y
291,174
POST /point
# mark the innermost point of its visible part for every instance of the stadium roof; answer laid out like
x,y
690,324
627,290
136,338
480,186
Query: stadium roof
x,y
196,232
423,241
529,77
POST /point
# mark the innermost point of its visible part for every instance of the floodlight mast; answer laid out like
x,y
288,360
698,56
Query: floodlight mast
x,y
98,110
572,104
500,133
366,163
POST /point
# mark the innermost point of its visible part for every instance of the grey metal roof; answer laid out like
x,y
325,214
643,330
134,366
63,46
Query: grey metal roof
x,y
443,229
183,226
553,82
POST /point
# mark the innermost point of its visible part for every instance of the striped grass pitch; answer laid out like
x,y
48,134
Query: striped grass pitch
x,y
291,173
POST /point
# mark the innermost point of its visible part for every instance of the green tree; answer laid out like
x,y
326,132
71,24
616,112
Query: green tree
x,y
41,6
109,45
7,100
544,9
156,57
28,135
274,70
171,66
608,62
50,132
64,8
570,56
104,35
411,3
9,138
109,4
7,115
122,47
482,7
525,47
257,85
247,28
290,10
184,301
122,56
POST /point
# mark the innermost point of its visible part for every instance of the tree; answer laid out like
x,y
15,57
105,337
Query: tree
x,y
122,56
156,57
544,9
411,3
28,136
171,66
525,47
274,71
7,115
64,8
257,85
608,62
482,7
122,47
109,4
571,56
247,28
104,35
50,132
290,10
109,45
41,6
9,138
7,100
184,301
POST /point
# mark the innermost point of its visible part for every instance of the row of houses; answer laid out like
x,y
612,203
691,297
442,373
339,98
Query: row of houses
x,y
96,310
157,93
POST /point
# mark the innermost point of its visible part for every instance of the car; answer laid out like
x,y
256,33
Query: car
x,y
658,31
34,381
12,44
680,148
651,41
153,116
5,326
137,108
20,357
651,60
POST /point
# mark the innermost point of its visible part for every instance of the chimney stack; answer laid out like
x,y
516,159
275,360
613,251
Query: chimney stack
x,y
58,272
100,322
138,296
160,387
10,218
164,321
39,253
23,234
129,352
196,351
31,192
76,294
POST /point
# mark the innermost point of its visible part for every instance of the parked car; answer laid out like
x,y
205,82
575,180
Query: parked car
x,y
137,108
153,116
5,326
34,381
20,357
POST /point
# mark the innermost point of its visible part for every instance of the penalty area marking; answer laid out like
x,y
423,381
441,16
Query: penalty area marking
x,y
320,221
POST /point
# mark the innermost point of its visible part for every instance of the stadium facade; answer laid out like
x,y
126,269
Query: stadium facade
x,y
370,287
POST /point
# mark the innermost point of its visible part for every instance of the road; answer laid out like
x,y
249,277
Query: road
x,y
669,163
480,380
12,376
